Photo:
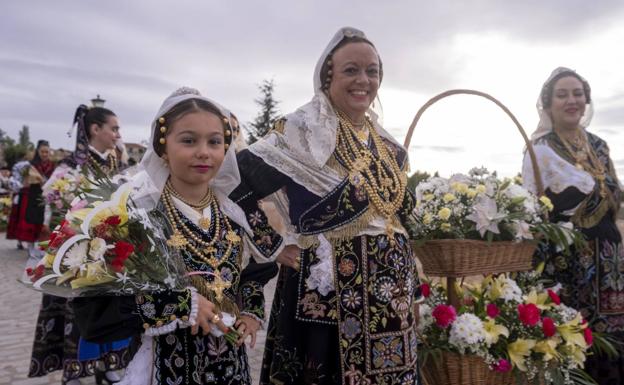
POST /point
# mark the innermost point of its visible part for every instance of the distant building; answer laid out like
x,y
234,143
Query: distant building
x,y
135,151
57,155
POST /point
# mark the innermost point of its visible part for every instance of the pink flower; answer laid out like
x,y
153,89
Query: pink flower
x,y
444,315
492,310
529,314
425,290
502,366
554,297
79,205
589,336
548,327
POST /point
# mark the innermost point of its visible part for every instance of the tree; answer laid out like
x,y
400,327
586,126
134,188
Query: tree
x,y
24,137
416,178
268,112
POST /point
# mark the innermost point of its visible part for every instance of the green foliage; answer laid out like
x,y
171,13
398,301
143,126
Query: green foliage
x,y
268,112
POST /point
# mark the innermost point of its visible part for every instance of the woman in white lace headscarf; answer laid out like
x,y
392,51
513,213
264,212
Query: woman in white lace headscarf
x,y
338,180
580,180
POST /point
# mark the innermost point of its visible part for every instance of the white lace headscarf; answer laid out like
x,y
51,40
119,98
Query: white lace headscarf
x,y
309,136
557,173
153,172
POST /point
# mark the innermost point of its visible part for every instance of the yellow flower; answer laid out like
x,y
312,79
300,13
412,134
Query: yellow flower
x,y
538,300
493,331
427,218
548,348
96,274
459,187
471,193
547,202
448,197
445,227
518,351
60,185
428,197
481,189
444,213
120,210
496,289
572,332
48,260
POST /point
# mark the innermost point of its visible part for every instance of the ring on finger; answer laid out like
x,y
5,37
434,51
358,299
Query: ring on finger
x,y
215,319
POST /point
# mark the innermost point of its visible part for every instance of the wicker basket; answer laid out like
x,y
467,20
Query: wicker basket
x,y
455,369
459,257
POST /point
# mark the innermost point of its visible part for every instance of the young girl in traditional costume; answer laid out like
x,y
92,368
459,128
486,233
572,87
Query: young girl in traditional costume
x,y
187,174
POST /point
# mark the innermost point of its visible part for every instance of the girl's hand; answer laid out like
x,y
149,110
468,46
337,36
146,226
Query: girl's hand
x,y
207,317
247,326
290,256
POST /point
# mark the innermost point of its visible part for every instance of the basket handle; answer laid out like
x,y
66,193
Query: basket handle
x,y
529,145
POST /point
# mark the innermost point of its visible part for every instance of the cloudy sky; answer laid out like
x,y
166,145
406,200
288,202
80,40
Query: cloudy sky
x,y
57,54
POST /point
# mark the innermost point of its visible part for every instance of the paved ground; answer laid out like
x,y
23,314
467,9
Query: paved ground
x,y
18,313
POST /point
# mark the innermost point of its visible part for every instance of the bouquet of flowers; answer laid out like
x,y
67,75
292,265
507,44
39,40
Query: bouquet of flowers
x,y
62,187
516,326
107,245
480,206
5,211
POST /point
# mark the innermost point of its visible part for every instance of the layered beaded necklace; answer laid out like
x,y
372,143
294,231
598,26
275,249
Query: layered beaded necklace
x,y
378,173
203,222
96,166
585,159
202,251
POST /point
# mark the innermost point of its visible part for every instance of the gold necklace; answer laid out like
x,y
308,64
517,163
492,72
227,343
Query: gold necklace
x,y
203,222
379,174
107,170
205,251
585,159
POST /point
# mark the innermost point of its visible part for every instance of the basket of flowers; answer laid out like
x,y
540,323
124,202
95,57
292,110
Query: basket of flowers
x,y
509,329
478,223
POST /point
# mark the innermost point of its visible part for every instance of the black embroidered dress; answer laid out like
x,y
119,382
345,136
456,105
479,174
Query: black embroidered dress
x,y
363,331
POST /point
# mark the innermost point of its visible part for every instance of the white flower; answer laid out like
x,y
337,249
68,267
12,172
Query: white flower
x,y
170,281
425,319
486,216
227,319
466,332
123,278
522,230
76,256
97,248
511,291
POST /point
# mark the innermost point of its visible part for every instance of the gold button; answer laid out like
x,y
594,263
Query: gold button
x,y
184,318
173,317
159,323
146,326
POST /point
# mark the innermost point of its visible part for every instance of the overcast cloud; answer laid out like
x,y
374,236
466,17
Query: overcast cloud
x,y
55,55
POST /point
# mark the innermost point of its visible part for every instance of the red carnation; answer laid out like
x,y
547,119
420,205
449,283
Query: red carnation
x,y
123,250
548,327
492,310
502,366
529,314
425,290
444,315
589,336
113,220
554,297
